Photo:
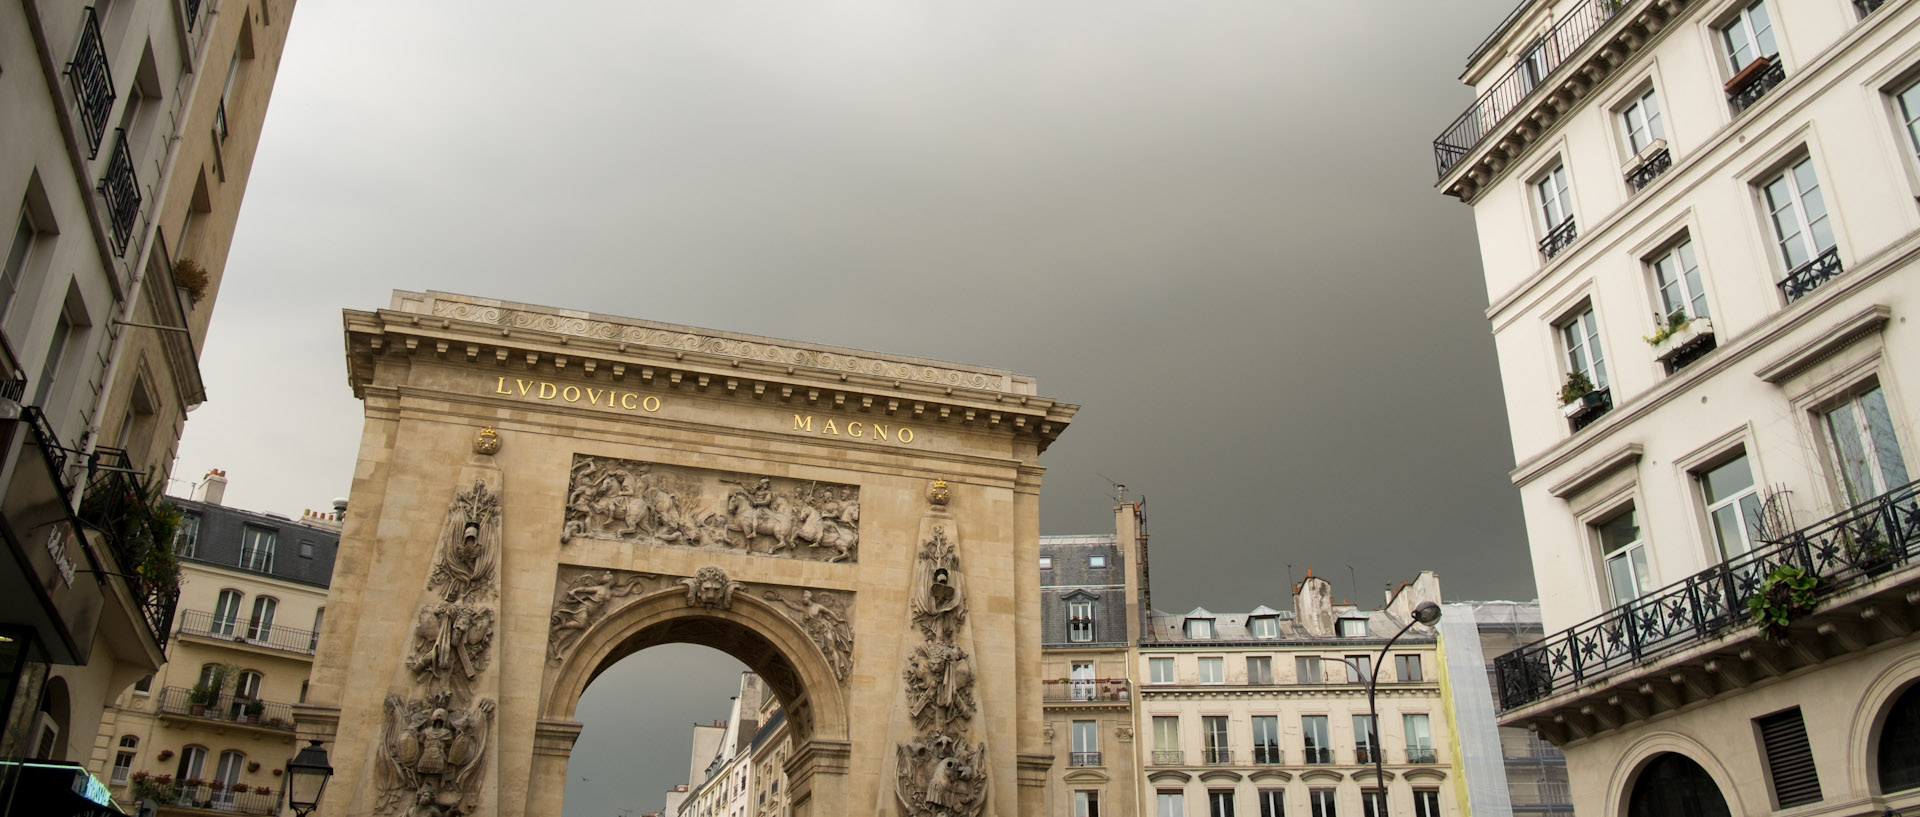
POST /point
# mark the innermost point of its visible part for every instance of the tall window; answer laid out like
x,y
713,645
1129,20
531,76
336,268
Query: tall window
x,y
1166,740
1306,669
1266,627
1160,670
1678,277
1419,739
256,549
1273,802
1363,739
1213,670
1081,676
1260,669
1220,803
1213,730
19,254
1532,66
1640,121
1359,668
1313,733
123,760
1553,198
247,686
1371,804
1086,743
1080,621
56,352
1322,802
226,94
1733,506
1199,628
228,774
260,625
1908,101
1085,803
1625,556
1865,450
1406,668
1426,803
1266,739
313,640
187,538
226,611
1170,804
193,762
1748,36
1580,337
1798,213
1899,749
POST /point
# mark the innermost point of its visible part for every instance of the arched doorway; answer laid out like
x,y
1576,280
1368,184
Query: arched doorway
x,y
1672,785
750,629
1899,748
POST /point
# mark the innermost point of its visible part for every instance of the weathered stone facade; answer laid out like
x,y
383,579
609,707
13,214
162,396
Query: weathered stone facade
x,y
651,484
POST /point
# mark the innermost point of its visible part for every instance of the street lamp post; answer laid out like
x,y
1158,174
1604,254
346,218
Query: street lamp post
x,y
307,774
1427,613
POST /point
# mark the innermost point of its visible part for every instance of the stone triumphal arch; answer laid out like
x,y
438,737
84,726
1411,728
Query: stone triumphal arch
x,y
541,492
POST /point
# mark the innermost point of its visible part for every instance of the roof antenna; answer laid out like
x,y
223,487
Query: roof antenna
x,y
1353,580
1119,489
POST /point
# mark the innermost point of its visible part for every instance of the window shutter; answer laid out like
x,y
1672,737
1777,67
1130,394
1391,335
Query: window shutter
x,y
1789,758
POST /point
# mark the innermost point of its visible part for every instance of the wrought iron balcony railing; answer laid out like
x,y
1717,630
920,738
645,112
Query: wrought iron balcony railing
x,y
1841,551
1559,238
1599,402
1090,690
1743,96
1504,96
1809,276
1421,754
228,799
1169,757
1362,754
119,506
235,628
1217,756
193,13
121,187
92,81
1650,169
226,709
1268,755
1083,759
1317,755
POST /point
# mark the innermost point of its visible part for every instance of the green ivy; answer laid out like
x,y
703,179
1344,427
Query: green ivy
x,y
1577,386
1786,594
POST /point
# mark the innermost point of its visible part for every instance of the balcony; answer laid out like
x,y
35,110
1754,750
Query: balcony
x,y
1850,555
121,188
1317,756
192,799
1089,690
1692,341
1421,754
285,639
253,712
1217,756
127,513
1268,755
1590,407
1508,94
92,82
1559,238
1645,172
1083,759
1169,757
1754,81
1809,276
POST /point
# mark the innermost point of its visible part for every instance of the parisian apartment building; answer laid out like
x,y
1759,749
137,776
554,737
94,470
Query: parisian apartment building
x,y
130,134
1697,222
212,728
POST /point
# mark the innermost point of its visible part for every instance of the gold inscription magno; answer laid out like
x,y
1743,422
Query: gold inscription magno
x,y
593,396
878,432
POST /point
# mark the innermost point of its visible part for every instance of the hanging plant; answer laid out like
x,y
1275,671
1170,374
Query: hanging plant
x,y
1786,594
253,765
276,772
166,754
190,276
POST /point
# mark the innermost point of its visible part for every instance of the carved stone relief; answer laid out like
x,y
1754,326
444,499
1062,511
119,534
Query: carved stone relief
x,y
825,617
431,753
669,506
710,587
582,600
940,771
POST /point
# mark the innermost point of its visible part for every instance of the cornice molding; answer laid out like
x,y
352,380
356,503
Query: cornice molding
x,y
1863,323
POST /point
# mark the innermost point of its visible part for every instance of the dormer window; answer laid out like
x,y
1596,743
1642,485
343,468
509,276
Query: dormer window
x,y
1199,628
1353,628
1264,626
1080,621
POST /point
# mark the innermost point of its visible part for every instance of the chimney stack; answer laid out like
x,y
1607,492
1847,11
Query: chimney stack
x,y
214,488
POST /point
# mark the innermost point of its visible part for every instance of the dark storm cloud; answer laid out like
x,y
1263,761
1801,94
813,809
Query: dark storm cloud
x,y
1210,223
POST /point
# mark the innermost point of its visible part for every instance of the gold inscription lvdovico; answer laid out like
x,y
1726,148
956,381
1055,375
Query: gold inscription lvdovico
x,y
593,396
881,432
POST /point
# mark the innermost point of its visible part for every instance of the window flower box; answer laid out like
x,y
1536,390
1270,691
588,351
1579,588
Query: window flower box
x,y
1583,404
1748,75
1698,330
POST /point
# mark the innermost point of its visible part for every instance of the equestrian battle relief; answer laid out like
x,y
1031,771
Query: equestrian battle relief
x,y
667,506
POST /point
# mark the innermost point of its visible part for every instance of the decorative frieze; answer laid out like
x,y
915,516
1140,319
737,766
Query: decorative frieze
x,y
656,505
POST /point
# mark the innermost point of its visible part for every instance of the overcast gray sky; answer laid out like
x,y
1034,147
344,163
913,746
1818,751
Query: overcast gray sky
x,y
1211,223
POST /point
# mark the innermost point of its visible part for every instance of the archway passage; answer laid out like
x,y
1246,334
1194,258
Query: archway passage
x,y
1899,750
647,722
1672,785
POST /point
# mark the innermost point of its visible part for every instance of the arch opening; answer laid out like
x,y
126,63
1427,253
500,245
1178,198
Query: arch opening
x,y
1673,785
1898,749
656,724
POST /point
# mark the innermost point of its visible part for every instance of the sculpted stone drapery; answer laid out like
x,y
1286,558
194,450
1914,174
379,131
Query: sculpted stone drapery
x,y
450,643
939,590
469,545
822,616
939,771
655,505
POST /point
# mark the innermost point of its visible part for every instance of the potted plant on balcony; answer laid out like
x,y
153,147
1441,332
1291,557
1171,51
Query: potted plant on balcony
x,y
262,790
254,708
1578,395
1786,594
191,279
197,702
1675,333
1868,549
217,784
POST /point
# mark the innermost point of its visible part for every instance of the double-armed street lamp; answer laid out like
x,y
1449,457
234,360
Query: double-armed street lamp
x,y
1427,613
307,775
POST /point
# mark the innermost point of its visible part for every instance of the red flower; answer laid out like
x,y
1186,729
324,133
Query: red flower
x,y
140,775
166,754
164,779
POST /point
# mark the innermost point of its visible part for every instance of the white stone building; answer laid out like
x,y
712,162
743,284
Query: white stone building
x,y
1697,219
